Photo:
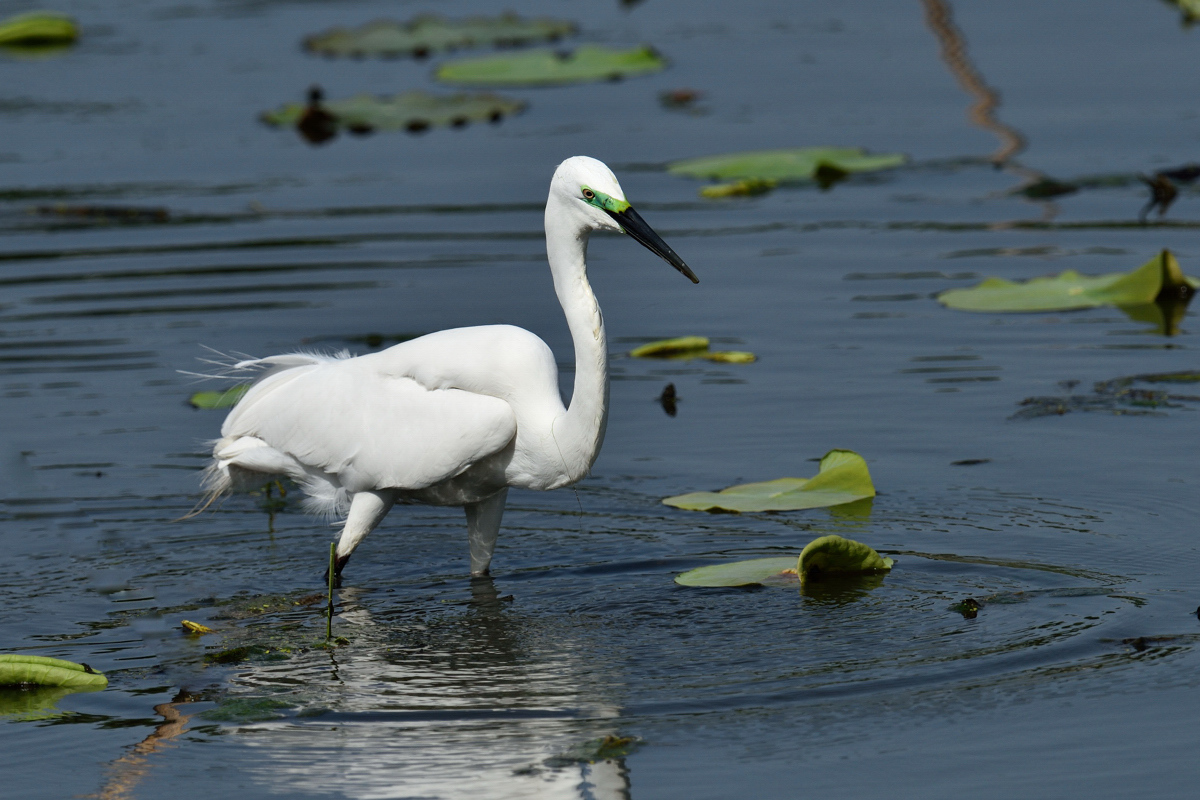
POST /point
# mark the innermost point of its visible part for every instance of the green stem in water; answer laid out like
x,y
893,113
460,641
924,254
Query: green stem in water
x,y
329,610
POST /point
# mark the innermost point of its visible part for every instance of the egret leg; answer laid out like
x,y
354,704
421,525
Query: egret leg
x,y
483,523
367,509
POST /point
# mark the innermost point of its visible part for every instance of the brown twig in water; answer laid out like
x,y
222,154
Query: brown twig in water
x,y
954,52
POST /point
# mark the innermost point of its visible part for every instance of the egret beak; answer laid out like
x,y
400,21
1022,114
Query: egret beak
x,y
632,223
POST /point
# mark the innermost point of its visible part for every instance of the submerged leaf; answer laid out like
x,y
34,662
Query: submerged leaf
x,y
799,164
22,670
548,67
248,709
225,398
430,33
843,478
1071,290
835,555
411,111
38,28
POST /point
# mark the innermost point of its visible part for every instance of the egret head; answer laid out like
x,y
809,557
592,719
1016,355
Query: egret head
x,y
590,190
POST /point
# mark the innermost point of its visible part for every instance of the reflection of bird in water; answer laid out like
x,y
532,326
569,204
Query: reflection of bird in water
x,y
452,418
484,700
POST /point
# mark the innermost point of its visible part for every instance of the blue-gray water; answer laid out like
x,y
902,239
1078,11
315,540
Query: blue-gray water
x,y
1078,679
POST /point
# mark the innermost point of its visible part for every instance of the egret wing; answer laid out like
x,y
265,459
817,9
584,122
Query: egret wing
x,y
370,429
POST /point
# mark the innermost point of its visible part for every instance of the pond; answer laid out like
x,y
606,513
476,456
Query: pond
x,y
149,218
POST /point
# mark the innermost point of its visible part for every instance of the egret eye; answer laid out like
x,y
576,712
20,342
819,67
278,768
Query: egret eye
x,y
589,194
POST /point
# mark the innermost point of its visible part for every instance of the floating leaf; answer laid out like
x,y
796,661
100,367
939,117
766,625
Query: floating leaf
x,y
38,28
670,348
248,709
835,555
800,164
843,478
740,573
430,33
1071,290
828,555
688,347
411,111
226,398
21,670
730,357
195,627
548,67
747,187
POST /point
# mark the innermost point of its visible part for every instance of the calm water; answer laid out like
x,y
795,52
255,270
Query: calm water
x,y
1077,678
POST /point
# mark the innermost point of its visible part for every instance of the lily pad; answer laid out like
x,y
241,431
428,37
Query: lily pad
x,y
248,709
411,111
550,67
843,478
22,670
828,555
430,33
740,573
798,164
835,555
38,28
1071,290
225,398
684,348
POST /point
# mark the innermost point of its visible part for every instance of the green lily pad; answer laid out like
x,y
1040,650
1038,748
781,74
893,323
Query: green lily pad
x,y
670,348
799,164
411,111
843,478
828,555
22,670
740,573
1071,290
225,398
550,67
835,555
684,348
38,28
248,709
430,33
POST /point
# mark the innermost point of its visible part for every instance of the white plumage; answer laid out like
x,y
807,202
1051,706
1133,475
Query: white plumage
x,y
452,418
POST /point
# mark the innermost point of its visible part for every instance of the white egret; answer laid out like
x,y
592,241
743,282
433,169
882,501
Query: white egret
x,y
452,418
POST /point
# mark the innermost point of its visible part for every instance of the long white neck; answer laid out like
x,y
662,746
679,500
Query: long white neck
x,y
579,432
